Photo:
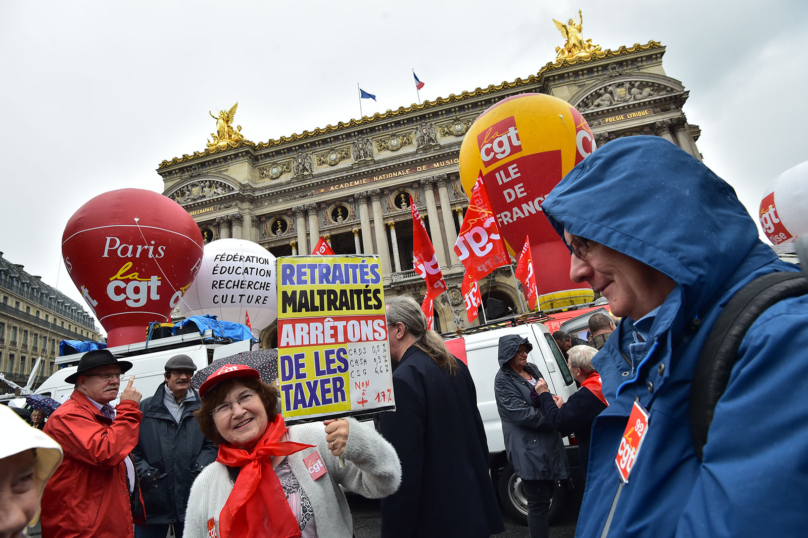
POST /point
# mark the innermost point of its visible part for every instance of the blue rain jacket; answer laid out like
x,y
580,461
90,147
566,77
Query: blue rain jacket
x,y
648,199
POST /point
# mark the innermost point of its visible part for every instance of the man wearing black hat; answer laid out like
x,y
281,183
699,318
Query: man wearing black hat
x,y
171,450
88,494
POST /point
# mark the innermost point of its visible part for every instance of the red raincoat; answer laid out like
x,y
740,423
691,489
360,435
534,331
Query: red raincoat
x,y
88,494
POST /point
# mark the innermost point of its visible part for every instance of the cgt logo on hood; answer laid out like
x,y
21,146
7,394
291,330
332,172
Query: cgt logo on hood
x,y
499,141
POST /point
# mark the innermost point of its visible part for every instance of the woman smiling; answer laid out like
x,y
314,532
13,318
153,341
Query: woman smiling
x,y
272,481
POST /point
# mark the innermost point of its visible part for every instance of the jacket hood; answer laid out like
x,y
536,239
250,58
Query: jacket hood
x,y
646,198
508,346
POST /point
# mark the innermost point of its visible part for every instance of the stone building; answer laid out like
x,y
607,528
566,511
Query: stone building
x,y
34,318
350,182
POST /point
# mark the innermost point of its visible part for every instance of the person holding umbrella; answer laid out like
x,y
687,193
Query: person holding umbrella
x,y
270,480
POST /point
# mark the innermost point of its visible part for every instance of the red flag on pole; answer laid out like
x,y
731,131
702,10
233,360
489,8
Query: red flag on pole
x,y
524,272
479,244
471,297
322,248
428,308
424,260
247,320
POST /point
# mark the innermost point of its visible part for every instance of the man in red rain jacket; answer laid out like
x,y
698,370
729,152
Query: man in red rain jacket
x,y
89,492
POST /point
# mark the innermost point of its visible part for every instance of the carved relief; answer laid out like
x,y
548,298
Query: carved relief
x,y
620,93
425,136
275,170
394,143
362,150
457,128
333,157
199,190
301,165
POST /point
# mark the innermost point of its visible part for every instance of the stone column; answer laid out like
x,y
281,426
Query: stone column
x,y
314,226
459,212
683,138
434,221
224,227
396,260
356,240
262,224
364,219
663,128
237,220
381,235
293,244
301,228
255,235
448,222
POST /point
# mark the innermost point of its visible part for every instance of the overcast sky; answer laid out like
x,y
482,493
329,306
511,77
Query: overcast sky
x,y
96,94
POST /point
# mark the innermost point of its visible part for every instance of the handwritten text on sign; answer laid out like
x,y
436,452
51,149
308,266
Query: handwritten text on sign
x,y
332,337
630,444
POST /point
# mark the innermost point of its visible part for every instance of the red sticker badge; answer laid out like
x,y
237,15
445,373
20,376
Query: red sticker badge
x,y
315,465
212,528
631,442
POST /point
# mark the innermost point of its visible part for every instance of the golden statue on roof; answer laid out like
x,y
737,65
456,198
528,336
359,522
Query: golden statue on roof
x,y
225,135
575,45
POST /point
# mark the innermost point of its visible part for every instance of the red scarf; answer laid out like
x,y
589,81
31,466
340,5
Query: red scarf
x,y
257,505
595,386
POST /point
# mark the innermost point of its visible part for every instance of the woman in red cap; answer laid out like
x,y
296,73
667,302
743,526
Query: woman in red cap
x,y
270,481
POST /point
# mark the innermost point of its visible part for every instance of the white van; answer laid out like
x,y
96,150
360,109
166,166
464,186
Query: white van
x,y
148,362
482,353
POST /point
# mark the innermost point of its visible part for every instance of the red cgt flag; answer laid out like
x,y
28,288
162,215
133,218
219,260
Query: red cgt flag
x,y
322,248
479,244
471,297
424,260
428,309
524,272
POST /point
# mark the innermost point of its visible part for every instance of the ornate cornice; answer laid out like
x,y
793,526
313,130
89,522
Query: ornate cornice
x,y
426,105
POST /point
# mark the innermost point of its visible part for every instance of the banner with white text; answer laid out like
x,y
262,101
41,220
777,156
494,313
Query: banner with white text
x,y
333,355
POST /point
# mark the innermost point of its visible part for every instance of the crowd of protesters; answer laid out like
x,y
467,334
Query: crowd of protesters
x,y
668,254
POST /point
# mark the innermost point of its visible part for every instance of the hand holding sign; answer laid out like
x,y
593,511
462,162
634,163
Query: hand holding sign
x,y
131,393
336,434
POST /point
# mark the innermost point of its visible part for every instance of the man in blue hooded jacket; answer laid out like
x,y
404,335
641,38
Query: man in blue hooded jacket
x,y
668,243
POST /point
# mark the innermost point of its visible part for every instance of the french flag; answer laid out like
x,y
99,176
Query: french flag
x,y
418,83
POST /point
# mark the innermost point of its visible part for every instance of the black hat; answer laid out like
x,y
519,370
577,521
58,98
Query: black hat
x,y
97,357
180,362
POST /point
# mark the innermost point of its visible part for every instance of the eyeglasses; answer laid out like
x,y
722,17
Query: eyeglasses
x,y
225,409
580,246
105,377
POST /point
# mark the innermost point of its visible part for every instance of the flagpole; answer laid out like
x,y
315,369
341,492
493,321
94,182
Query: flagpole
x,y
417,91
521,300
359,93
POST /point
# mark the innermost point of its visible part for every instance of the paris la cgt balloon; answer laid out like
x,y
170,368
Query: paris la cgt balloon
x,y
782,210
132,253
524,145
236,282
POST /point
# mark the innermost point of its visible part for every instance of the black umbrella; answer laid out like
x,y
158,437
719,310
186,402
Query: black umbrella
x,y
263,360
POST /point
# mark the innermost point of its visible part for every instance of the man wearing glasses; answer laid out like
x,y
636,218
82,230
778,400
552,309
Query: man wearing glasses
x,y
89,492
668,244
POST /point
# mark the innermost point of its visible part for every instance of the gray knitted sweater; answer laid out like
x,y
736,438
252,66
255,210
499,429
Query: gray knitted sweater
x,y
372,469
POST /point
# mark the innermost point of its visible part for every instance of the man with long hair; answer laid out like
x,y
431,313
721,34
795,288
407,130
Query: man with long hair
x,y
437,431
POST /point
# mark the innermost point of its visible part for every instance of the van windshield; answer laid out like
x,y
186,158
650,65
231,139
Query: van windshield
x,y
562,364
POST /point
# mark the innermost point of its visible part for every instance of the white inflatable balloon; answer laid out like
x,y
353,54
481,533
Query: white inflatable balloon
x,y
237,278
782,210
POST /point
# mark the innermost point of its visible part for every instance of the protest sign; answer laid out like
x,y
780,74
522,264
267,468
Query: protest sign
x,y
333,355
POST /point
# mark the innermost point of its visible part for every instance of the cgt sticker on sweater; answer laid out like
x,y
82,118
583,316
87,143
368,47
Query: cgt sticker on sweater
x,y
315,465
212,529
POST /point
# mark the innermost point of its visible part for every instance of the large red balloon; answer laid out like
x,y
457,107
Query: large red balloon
x,y
132,253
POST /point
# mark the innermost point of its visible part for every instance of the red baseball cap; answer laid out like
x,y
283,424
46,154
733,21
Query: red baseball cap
x,y
226,372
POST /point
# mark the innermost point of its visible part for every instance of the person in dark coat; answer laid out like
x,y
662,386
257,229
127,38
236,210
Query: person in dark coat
x,y
171,450
446,488
533,446
579,412
566,341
